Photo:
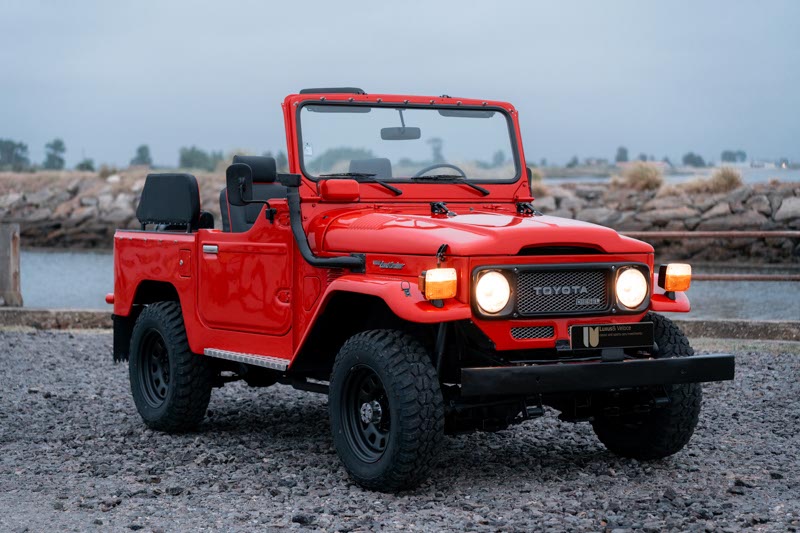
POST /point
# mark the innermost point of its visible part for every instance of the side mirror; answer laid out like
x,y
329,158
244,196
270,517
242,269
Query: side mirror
x,y
239,182
339,191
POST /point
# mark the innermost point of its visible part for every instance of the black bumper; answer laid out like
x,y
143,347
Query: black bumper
x,y
584,377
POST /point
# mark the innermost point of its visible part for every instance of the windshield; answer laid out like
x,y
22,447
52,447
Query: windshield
x,y
403,143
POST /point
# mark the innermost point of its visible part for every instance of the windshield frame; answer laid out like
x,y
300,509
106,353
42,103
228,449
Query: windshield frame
x,y
401,105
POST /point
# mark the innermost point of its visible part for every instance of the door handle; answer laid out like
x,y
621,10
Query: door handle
x,y
210,249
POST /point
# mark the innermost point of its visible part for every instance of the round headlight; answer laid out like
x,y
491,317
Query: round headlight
x,y
492,292
631,288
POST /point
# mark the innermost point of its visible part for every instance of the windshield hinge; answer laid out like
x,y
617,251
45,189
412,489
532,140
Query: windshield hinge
x,y
440,257
440,208
527,209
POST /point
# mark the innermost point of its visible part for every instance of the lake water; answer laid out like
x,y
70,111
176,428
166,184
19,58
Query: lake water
x,y
80,280
749,175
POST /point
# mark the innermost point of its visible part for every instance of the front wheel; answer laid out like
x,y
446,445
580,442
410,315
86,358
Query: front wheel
x,y
386,410
663,431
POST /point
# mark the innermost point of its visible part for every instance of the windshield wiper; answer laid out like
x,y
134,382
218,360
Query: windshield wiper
x,y
363,177
452,178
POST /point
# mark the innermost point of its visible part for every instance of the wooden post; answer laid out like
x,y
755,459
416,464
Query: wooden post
x,y
10,290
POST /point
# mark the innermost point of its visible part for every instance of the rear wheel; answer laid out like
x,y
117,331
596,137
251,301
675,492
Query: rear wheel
x,y
171,386
386,410
663,431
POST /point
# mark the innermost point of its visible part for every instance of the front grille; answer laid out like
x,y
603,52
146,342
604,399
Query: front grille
x,y
534,332
562,291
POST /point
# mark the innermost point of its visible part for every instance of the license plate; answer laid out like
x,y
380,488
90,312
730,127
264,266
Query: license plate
x,y
639,335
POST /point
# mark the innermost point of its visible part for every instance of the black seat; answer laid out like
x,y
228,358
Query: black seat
x,y
170,201
238,219
380,166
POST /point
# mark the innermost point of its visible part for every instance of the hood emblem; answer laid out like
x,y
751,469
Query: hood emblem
x,y
391,265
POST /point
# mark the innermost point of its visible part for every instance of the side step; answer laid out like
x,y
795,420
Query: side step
x,y
273,363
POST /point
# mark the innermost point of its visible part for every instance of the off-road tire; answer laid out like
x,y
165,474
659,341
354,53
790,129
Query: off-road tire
x,y
415,407
180,404
663,431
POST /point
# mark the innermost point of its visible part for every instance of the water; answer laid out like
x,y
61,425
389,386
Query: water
x,y
80,280
66,279
749,175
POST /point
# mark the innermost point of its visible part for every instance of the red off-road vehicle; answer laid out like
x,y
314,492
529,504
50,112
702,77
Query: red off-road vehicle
x,y
401,267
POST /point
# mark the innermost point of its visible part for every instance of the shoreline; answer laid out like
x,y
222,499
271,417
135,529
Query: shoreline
x,y
81,211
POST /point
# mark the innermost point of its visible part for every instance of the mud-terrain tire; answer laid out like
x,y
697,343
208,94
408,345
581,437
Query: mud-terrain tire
x,y
664,431
386,410
171,386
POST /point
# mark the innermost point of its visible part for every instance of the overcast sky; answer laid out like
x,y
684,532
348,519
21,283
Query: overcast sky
x,y
586,77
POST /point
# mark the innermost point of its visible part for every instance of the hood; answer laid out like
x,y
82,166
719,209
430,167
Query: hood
x,y
471,234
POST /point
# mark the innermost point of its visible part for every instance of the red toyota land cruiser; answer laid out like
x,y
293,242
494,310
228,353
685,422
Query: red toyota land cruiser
x,y
401,267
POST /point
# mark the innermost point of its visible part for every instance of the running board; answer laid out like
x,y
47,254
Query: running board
x,y
273,363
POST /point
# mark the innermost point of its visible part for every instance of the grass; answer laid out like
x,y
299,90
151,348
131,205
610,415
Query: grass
x,y
723,180
639,177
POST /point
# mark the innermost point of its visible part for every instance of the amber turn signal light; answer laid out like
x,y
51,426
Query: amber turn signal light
x,y
675,277
438,283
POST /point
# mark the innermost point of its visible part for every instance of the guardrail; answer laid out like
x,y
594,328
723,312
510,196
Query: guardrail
x,y
789,234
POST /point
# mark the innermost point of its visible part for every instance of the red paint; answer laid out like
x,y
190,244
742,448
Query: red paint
x,y
258,295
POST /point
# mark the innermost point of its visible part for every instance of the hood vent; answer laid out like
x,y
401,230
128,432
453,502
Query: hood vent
x,y
559,250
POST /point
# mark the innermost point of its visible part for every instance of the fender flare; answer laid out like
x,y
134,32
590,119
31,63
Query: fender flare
x,y
402,296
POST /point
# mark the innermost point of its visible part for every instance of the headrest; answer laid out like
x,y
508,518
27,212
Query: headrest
x,y
169,199
380,166
265,170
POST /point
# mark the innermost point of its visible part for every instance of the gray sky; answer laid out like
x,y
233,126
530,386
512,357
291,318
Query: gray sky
x,y
587,76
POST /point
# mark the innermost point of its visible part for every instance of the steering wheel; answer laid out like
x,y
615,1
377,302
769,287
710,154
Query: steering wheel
x,y
439,165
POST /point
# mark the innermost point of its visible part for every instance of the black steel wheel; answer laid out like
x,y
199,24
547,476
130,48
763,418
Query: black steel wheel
x,y
386,410
365,414
171,386
154,371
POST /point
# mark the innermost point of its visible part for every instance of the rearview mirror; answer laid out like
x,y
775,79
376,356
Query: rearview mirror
x,y
239,183
400,134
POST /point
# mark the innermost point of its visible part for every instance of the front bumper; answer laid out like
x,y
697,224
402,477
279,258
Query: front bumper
x,y
600,376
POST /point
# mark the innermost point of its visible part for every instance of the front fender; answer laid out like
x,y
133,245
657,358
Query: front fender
x,y
402,296
660,303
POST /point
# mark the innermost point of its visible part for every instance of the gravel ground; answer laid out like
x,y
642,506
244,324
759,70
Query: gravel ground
x,y
74,455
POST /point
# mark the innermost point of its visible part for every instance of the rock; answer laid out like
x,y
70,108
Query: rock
x,y
563,213
598,215
113,178
746,220
302,519
88,200
789,209
665,202
660,218
39,197
572,204
104,201
760,203
545,204
590,192
174,491
38,215
721,209
10,199
737,197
